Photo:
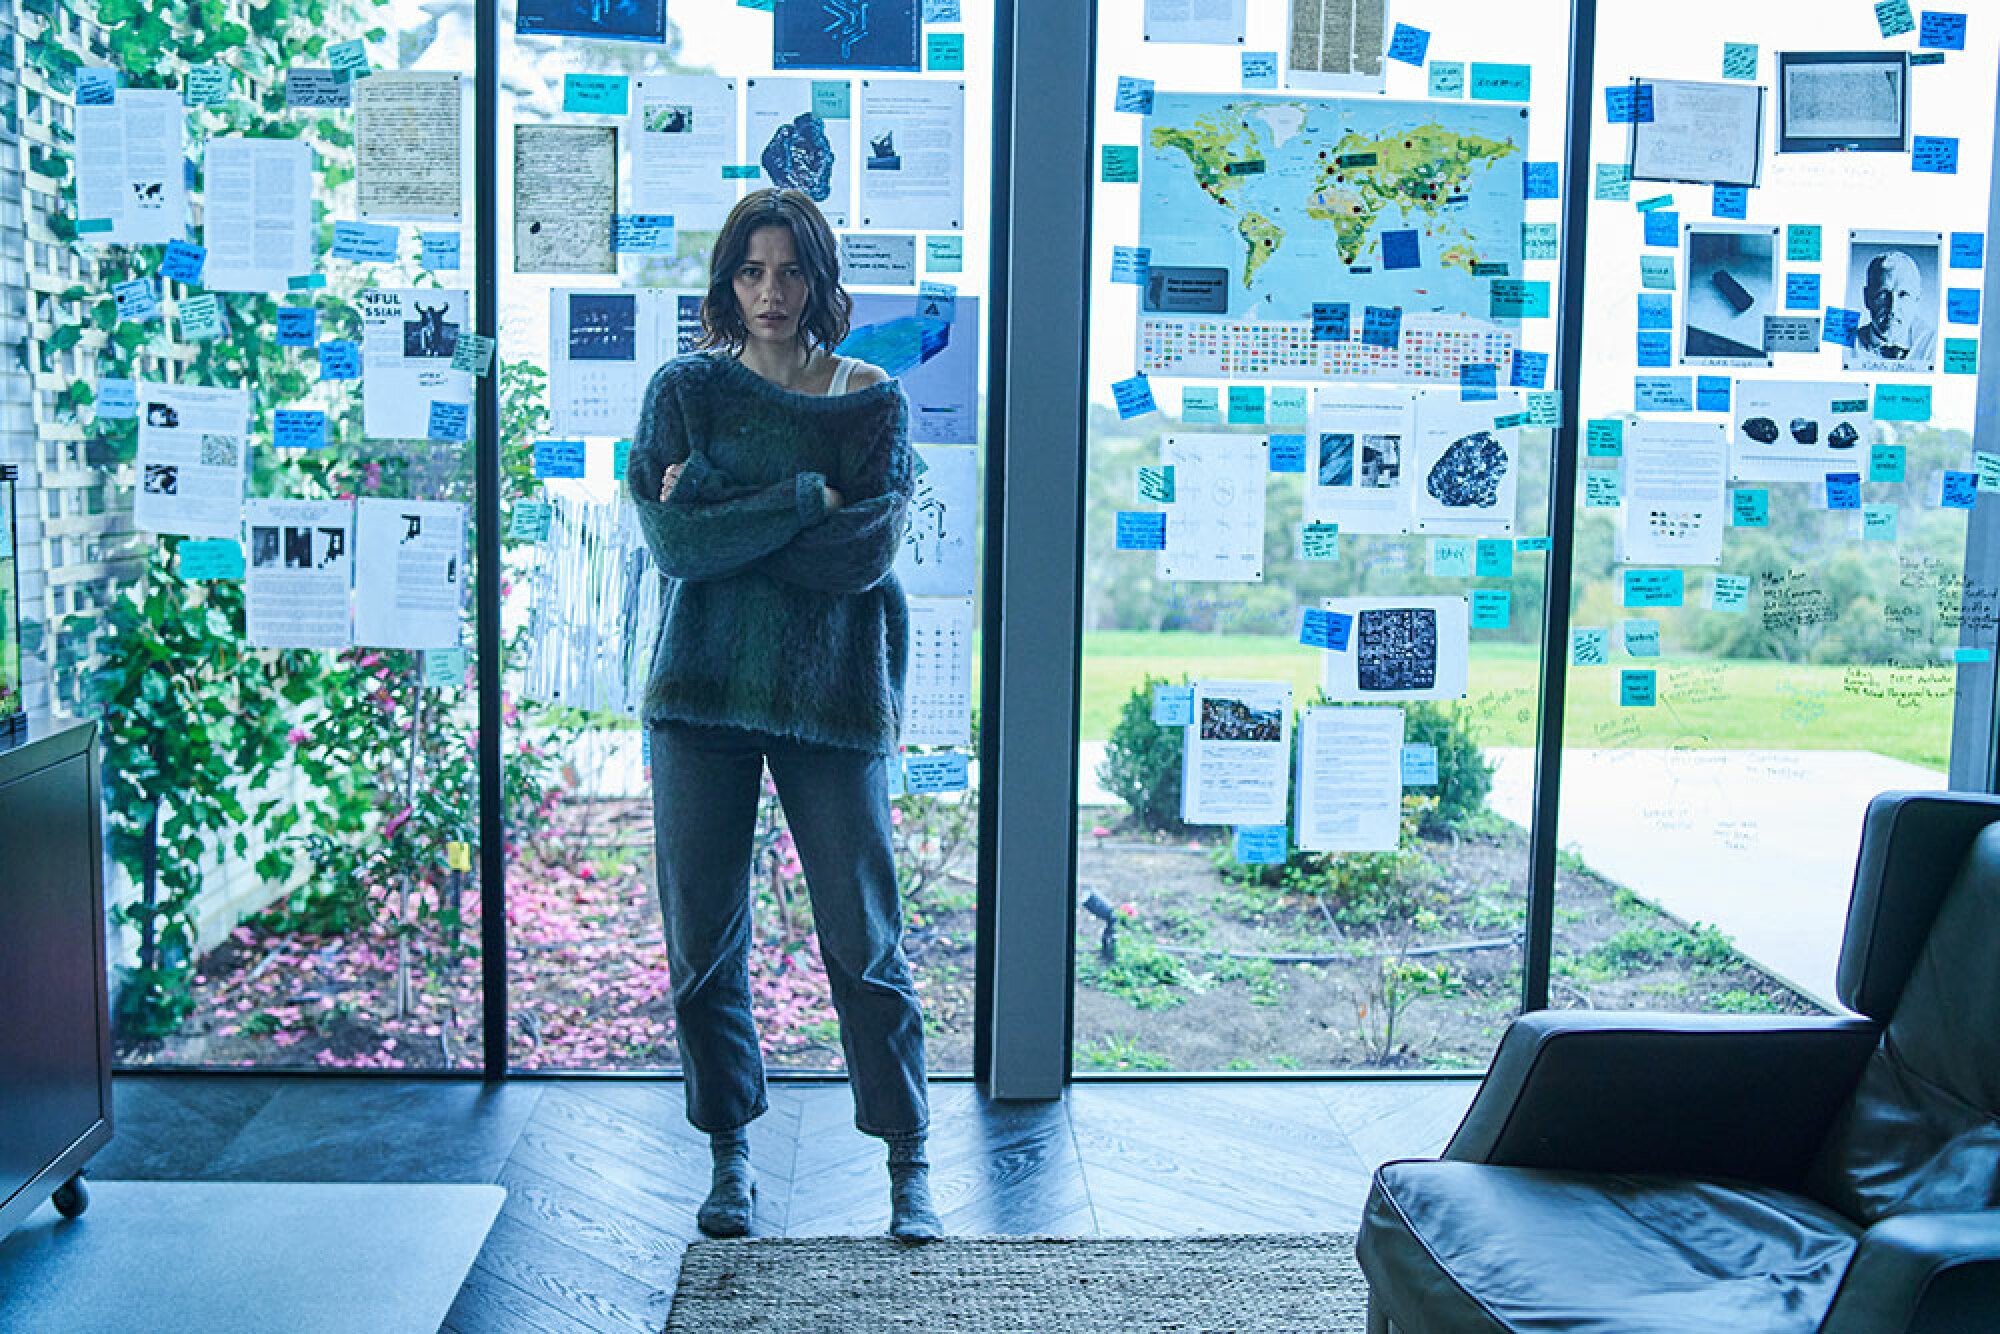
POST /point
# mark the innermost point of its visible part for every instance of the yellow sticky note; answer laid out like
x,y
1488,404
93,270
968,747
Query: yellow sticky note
x,y
458,856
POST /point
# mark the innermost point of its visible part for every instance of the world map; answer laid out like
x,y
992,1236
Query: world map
x,y
1297,200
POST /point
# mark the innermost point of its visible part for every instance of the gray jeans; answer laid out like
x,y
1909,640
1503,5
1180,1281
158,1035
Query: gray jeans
x,y
706,783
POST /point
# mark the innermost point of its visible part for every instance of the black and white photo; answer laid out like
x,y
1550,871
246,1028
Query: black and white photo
x,y
1731,284
1892,282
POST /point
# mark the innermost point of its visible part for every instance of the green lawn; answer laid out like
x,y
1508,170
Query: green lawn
x,y
1705,704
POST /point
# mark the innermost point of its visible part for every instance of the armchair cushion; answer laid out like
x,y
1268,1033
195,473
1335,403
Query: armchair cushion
x,y
1450,1246
1939,1273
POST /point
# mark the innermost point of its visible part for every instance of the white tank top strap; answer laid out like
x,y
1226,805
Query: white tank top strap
x,y
841,372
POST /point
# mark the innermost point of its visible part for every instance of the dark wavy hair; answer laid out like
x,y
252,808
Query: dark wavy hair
x,y
824,321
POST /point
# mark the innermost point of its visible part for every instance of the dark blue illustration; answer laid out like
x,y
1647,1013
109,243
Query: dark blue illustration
x,y
613,20
847,34
800,157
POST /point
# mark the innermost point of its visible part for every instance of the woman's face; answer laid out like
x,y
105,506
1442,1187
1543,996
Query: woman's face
x,y
770,286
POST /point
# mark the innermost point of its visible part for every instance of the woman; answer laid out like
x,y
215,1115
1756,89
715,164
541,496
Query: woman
x,y
772,477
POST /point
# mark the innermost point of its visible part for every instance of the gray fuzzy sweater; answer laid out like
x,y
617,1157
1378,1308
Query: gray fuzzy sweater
x,y
777,614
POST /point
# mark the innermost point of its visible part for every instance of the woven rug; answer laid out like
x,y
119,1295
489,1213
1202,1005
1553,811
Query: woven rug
x,y
1255,1284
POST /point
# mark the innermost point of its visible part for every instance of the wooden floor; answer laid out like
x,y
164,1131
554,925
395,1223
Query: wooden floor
x,y
603,1177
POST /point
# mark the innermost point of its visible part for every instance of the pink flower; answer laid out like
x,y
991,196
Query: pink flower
x,y
298,736
397,821
1128,909
372,476
1100,832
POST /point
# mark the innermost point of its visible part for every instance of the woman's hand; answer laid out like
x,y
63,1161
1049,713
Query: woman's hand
x,y
669,479
834,500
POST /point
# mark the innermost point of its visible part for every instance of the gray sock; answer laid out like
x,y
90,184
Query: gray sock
x,y
732,1186
912,1216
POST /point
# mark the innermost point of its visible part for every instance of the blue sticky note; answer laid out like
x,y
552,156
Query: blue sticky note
x,y
1940,31
1319,628
1541,180
365,242
183,262
594,94
1494,558
1968,250
298,326
449,421
1653,588
1382,326
1961,305
1711,393
1843,490
1447,78
943,772
1638,688
1663,228
298,428
643,234
96,86
1838,326
1937,154
1656,310
211,559
1134,95
1246,405
1729,593
441,250
1288,453
558,458
1960,489
1450,557
1656,348
1129,263
1662,393
1332,322
137,298
1885,463
339,359
1802,291
117,400
1420,764
1141,531
1750,507
1260,69
1134,397
1500,83
1259,845
1529,371
1629,104
1543,543
1642,638
1409,45
1731,201
1478,382
1400,251
1902,402
1173,706
1491,608
1201,403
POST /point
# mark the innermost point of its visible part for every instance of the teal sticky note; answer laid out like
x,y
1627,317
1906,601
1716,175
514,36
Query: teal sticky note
x,y
1653,588
210,559
1603,489
1447,78
1885,463
1902,402
1963,654
1894,18
1201,403
1246,405
1260,845
1491,608
944,50
621,454
1729,593
1121,164
1642,638
1544,407
595,94
1604,438
1985,469
1750,507
1878,523
1319,541
348,59
205,86
203,318
530,521
1500,83
445,668
1494,558
1739,60
944,254
1518,299
833,99
741,171
1655,203
1802,242
1961,356
1534,543
1540,240
1589,647
1656,273
1613,181
1638,688
1450,557
1287,406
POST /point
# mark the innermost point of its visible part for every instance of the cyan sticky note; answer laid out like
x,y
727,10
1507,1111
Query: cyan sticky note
x,y
1935,154
595,94
1902,402
1319,628
1400,250
441,250
1173,706
339,359
1838,326
1802,243
117,399
1802,291
1134,95
1711,393
1961,356
298,428
945,51
1287,406
1450,558
1656,311
209,559
1968,250
1420,764
1121,164
1612,180
1259,844
1134,397
298,326
529,521
1663,228
1961,305
1731,201
559,458
1656,202
348,59
1894,18
1544,407
1656,273
1941,31
1958,489
1494,558
1141,531
1129,263
1288,453
202,317
1332,322
1478,382
365,242
1750,507
631,234
1729,593
183,262
1629,104
1201,403
1963,654
1409,45
1491,608
1739,60
1529,371
1500,83
1843,490
1878,523
1638,687
1382,326
1541,180
1642,638
1603,488
1662,393
1604,438
1540,240
1246,405
946,771
1589,646
1885,463
205,86
1653,588
1319,541
449,421
1656,348
1542,543
1518,299
1447,78
944,254
445,669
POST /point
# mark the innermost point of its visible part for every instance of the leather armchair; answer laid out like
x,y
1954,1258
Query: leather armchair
x,y
1647,1173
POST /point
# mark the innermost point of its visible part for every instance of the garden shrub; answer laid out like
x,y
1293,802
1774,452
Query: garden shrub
x,y
1464,776
1142,761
